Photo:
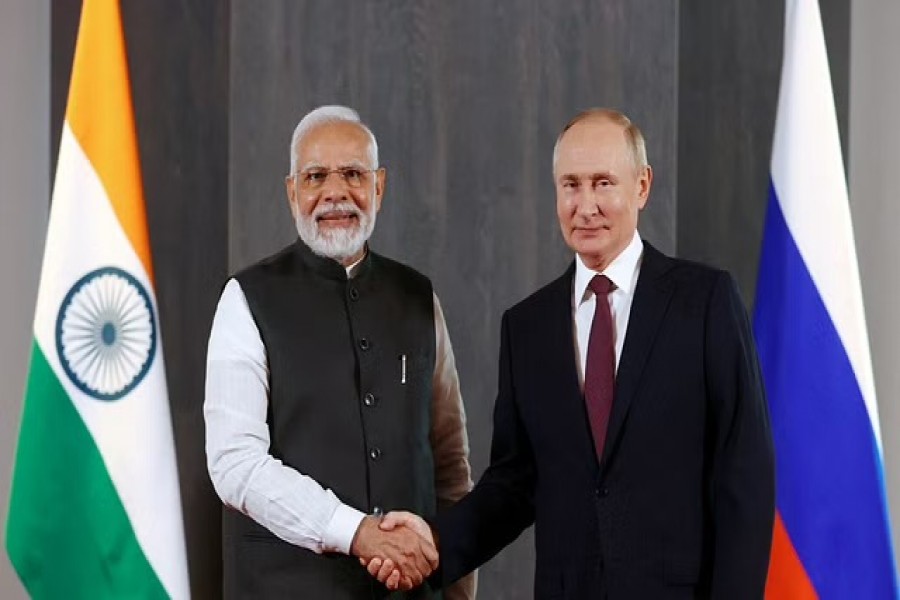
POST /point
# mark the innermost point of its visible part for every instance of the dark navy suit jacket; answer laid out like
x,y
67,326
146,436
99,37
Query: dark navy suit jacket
x,y
682,503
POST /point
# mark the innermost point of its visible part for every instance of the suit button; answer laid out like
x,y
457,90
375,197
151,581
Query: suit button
x,y
354,294
378,511
369,399
602,492
363,344
375,453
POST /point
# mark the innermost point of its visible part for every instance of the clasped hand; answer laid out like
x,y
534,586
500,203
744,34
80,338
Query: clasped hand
x,y
398,549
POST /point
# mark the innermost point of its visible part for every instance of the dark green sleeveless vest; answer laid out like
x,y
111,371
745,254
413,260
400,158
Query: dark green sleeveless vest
x,y
351,364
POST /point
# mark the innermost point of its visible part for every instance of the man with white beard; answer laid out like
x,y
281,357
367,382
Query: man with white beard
x,y
331,392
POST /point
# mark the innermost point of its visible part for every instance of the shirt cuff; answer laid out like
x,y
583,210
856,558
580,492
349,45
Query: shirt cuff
x,y
339,533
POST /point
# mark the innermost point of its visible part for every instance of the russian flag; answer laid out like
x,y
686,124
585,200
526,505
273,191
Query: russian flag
x,y
832,534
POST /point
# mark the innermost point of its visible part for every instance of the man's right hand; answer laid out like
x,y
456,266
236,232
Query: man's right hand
x,y
412,556
383,568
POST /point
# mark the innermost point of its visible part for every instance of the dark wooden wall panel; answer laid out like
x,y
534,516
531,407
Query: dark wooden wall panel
x,y
466,99
836,23
179,71
178,61
729,72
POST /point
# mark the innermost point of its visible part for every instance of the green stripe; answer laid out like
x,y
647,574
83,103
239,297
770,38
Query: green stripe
x,y
68,535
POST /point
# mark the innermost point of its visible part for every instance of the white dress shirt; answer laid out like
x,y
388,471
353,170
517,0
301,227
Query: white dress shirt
x,y
248,478
623,272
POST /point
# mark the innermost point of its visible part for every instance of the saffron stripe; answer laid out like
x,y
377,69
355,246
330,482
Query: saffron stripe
x,y
103,123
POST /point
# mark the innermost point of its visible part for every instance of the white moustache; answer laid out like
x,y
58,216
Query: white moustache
x,y
336,210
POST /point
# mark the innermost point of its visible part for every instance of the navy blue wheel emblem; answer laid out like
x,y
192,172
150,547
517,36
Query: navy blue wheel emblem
x,y
106,333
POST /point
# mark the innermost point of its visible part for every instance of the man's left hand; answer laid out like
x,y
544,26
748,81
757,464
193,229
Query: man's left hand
x,y
383,568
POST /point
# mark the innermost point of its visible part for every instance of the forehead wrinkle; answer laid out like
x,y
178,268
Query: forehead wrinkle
x,y
358,164
310,165
582,162
355,164
590,174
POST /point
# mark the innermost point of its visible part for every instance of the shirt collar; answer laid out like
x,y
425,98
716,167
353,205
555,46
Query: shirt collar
x,y
622,271
354,268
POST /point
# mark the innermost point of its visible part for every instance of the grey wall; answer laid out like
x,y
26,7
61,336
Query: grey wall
x,y
24,203
874,164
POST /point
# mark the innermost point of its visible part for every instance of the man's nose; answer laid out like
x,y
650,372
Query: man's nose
x,y
587,204
334,188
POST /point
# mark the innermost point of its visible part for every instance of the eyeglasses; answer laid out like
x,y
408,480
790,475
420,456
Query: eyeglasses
x,y
315,178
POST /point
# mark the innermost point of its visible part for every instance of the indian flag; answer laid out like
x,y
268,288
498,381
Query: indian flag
x,y
95,510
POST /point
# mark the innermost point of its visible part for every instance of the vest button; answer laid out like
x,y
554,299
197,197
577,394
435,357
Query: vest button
x,y
375,453
363,344
369,399
354,294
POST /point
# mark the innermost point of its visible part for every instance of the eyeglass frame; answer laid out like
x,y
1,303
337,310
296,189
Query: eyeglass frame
x,y
342,171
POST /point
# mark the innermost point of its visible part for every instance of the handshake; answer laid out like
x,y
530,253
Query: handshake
x,y
398,549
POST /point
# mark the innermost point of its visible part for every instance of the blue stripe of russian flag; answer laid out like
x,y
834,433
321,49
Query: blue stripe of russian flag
x,y
830,489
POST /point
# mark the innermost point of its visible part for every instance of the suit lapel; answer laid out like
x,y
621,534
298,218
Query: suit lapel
x,y
651,300
560,338
561,367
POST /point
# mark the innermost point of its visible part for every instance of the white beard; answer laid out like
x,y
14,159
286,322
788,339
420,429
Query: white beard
x,y
338,244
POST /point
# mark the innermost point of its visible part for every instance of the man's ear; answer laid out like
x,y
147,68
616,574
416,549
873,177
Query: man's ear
x,y
380,180
645,182
291,195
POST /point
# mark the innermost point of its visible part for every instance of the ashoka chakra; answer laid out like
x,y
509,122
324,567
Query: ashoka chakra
x,y
106,333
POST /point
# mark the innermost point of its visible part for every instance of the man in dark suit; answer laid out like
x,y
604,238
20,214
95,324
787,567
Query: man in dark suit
x,y
630,425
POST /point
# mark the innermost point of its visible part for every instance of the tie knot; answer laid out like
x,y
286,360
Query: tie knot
x,y
601,285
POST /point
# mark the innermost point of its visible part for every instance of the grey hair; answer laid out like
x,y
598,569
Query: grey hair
x,y
325,115
633,134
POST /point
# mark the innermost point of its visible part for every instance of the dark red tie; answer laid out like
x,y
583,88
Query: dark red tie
x,y
600,370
